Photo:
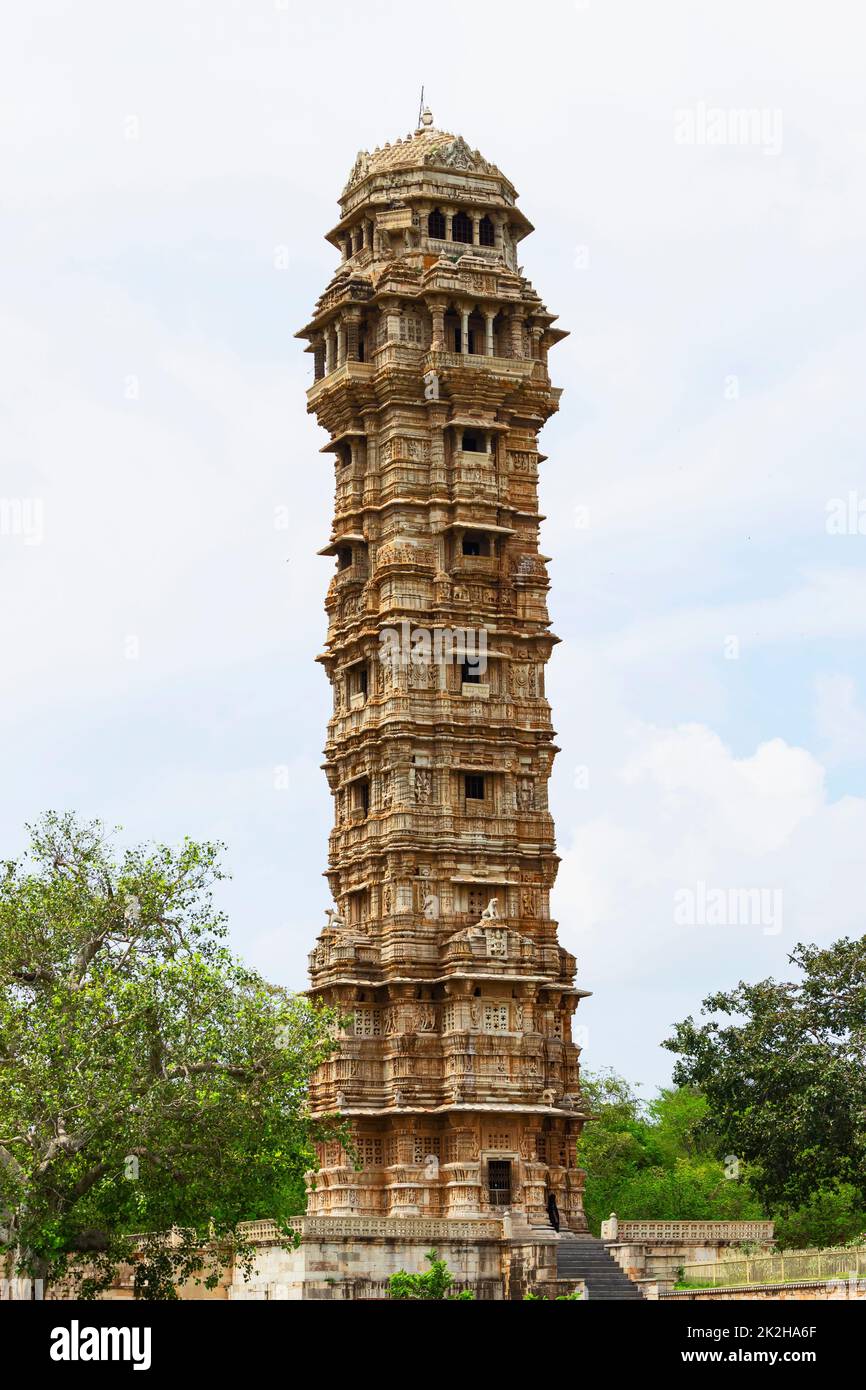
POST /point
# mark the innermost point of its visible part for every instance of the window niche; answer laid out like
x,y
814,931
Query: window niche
x,y
358,681
360,798
477,543
461,228
358,904
436,225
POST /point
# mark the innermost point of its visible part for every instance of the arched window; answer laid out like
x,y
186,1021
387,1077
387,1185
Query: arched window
x,y
486,235
461,228
436,225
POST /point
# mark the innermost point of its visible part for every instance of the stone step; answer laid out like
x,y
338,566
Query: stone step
x,y
585,1257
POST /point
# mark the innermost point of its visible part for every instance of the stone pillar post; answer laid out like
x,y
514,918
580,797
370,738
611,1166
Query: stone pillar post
x,y
438,420
476,232
370,423
319,355
517,316
391,309
353,323
437,315
489,346
464,329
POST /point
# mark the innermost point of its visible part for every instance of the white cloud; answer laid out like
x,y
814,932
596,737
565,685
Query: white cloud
x,y
681,811
840,718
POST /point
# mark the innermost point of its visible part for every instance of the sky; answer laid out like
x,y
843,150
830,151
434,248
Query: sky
x,y
697,179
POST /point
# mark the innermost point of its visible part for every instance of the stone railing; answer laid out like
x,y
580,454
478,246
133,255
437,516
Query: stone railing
x,y
689,1232
788,1267
266,1232
406,1228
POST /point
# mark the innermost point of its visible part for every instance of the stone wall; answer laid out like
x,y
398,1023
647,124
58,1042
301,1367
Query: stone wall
x,y
353,1258
357,1269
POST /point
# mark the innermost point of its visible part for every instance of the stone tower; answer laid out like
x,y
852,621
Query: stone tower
x,y
456,1065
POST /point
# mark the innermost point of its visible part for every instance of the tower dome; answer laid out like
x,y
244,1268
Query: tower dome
x,y
426,148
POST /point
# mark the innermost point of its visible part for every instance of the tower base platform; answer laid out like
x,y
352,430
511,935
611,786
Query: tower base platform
x,y
352,1258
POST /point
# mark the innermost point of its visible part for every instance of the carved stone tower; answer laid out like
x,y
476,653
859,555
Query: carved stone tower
x,y
456,1066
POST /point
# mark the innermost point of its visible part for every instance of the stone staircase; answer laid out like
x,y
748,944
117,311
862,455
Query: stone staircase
x,y
584,1257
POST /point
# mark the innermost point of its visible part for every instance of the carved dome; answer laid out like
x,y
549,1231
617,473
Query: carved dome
x,y
427,148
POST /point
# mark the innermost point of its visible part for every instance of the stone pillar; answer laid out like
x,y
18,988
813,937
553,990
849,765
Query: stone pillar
x,y
353,323
319,356
370,423
489,346
517,316
449,215
438,415
391,310
464,329
331,342
476,234
437,315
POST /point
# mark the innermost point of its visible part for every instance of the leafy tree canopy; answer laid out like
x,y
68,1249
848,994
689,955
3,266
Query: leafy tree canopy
x,y
655,1160
783,1070
832,1216
149,1081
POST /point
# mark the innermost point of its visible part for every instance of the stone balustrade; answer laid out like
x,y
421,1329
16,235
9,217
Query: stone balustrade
x,y
429,1229
694,1232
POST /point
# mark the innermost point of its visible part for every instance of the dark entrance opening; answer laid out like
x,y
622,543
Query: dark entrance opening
x,y
499,1182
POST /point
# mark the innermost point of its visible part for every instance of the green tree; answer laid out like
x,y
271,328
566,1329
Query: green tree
x,y
655,1159
832,1216
149,1081
434,1283
783,1071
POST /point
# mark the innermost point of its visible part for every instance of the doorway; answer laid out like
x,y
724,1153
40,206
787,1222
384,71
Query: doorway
x,y
499,1182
